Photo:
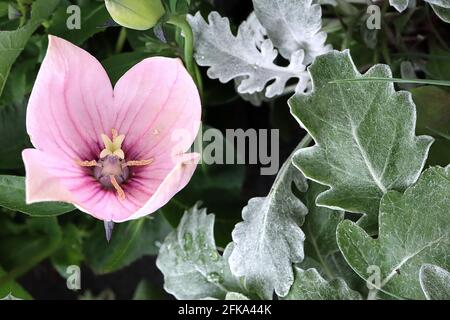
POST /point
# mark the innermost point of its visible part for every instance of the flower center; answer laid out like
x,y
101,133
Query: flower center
x,y
111,166
112,170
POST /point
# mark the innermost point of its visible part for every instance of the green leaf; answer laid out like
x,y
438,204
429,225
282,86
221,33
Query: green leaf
x,y
118,64
174,7
188,258
414,230
13,136
12,197
13,42
364,133
130,241
12,288
433,118
270,240
435,282
147,291
309,285
4,8
440,151
70,251
438,66
433,109
93,19
20,81
19,253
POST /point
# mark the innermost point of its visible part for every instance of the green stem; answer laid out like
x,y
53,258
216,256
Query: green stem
x,y
380,79
305,142
180,22
121,40
23,12
199,80
186,30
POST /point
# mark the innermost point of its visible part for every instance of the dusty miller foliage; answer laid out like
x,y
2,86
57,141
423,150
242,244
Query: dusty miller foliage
x,y
440,7
297,242
281,28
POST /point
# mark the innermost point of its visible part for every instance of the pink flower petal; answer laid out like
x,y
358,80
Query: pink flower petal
x,y
71,103
44,178
158,108
49,179
175,181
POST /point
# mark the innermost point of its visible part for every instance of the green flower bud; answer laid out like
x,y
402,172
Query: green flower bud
x,y
135,14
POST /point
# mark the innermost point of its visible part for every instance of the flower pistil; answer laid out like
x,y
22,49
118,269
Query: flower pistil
x,y
111,170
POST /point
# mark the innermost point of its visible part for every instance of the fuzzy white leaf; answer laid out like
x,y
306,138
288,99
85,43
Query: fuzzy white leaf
x,y
400,5
329,2
435,282
364,133
440,7
235,296
293,25
238,57
270,240
440,3
190,263
442,12
259,35
255,29
309,285
414,231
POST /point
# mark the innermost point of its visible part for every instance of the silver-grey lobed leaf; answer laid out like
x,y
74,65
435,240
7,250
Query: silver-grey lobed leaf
x,y
399,5
259,35
320,225
235,296
435,282
190,263
328,2
364,134
442,12
238,57
414,230
321,248
270,240
440,7
293,25
309,285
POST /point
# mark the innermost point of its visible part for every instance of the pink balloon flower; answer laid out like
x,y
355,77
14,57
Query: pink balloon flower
x,y
115,153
